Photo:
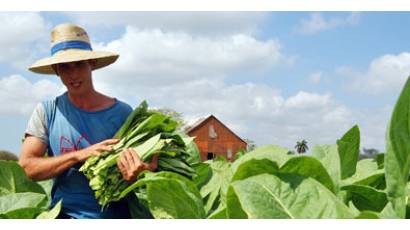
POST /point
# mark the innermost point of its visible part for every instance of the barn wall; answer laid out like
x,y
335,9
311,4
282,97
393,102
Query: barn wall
x,y
225,139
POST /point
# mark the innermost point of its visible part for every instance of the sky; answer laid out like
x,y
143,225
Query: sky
x,y
271,77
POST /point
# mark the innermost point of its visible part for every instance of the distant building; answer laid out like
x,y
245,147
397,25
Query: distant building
x,y
213,139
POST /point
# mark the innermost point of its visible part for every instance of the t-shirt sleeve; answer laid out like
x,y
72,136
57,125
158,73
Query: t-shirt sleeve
x,y
37,125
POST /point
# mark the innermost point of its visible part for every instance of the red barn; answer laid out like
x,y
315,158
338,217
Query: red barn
x,y
213,139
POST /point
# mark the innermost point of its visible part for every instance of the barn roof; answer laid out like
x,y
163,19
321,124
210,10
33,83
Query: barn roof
x,y
202,121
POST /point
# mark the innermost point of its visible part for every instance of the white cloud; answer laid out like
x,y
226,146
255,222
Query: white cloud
x,y
315,78
198,23
155,58
303,100
20,32
19,96
373,126
317,23
385,74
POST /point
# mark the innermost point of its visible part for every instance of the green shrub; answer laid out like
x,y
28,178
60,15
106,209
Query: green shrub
x,y
8,156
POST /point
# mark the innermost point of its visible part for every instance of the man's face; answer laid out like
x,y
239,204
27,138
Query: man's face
x,y
76,76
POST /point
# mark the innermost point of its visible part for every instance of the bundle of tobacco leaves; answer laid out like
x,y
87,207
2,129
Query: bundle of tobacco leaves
x,y
148,133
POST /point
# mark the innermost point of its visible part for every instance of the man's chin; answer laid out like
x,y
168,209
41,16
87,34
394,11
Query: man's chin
x,y
77,92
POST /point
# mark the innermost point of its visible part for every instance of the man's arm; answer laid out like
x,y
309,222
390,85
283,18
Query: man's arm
x,y
38,167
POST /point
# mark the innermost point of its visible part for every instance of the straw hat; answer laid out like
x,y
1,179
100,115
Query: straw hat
x,y
71,43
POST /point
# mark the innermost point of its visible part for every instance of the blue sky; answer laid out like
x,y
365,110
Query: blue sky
x,y
272,77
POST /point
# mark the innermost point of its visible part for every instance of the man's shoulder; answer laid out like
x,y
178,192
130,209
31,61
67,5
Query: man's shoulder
x,y
124,106
53,100
51,103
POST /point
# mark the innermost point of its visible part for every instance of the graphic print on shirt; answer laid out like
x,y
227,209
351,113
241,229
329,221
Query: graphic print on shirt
x,y
67,145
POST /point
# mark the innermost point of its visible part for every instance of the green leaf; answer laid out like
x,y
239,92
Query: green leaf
x,y
368,215
408,201
172,196
287,196
219,213
192,150
366,198
380,160
348,149
155,120
134,141
271,152
397,159
309,167
218,184
141,109
51,214
138,207
47,185
351,206
176,164
389,212
367,173
377,180
136,130
329,157
22,205
203,174
254,167
169,199
14,180
145,148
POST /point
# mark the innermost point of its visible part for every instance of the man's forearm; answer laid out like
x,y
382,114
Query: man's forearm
x,y
41,168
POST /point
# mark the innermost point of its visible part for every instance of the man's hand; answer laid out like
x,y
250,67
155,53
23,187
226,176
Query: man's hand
x,y
130,164
96,149
38,167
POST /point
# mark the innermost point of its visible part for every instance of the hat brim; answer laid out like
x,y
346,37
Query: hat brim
x,y
44,66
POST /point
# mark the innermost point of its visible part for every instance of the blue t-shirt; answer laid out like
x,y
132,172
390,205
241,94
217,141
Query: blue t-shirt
x,y
70,129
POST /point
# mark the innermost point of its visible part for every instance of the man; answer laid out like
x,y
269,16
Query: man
x,y
75,126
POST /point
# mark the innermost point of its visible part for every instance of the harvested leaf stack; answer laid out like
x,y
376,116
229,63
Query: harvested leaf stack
x,y
148,133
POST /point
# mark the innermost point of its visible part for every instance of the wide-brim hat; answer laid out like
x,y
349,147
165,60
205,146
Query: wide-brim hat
x,y
70,43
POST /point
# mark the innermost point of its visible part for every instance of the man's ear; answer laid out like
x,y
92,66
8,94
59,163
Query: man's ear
x,y
55,69
93,63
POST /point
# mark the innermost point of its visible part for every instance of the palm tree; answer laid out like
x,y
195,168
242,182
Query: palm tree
x,y
301,146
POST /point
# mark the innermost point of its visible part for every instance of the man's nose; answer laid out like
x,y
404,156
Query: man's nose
x,y
73,73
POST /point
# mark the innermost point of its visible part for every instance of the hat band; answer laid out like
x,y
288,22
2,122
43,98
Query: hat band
x,y
70,45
